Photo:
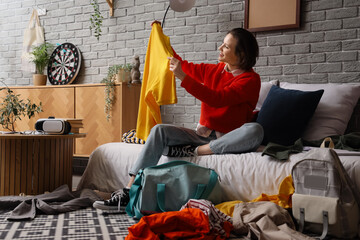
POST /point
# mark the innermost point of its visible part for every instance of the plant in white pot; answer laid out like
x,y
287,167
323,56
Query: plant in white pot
x,y
41,56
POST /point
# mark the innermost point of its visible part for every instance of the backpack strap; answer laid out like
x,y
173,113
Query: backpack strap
x,y
325,223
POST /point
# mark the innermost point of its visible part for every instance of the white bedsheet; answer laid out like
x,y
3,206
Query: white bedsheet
x,y
243,176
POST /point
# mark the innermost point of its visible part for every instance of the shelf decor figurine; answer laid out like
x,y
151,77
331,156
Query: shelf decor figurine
x,y
135,72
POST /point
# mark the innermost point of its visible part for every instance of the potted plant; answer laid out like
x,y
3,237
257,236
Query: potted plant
x,y
116,74
41,56
124,74
13,108
110,88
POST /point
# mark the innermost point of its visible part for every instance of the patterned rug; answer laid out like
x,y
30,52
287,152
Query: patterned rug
x,y
87,223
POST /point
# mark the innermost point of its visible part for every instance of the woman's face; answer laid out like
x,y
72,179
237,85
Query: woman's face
x,y
227,51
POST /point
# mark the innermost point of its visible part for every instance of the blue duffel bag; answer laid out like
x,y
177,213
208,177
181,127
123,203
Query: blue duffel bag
x,y
167,187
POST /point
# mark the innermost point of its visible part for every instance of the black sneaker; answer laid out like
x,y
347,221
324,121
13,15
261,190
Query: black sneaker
x,y
117,202
181,151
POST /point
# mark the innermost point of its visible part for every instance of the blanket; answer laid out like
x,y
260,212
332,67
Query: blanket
x,y
58,201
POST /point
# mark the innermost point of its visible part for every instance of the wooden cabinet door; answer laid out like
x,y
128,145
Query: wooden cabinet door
x,y
89,104
56,101
129,98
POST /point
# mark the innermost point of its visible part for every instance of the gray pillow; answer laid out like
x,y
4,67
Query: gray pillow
x,y
264,91
334,110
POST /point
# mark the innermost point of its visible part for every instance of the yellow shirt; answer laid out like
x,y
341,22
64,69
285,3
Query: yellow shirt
x,y
283,198
158,84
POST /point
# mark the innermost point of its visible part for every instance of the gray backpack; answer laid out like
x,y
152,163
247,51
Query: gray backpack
x,y
325,201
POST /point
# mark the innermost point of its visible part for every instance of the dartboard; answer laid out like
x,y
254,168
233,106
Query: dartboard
x,y
64,64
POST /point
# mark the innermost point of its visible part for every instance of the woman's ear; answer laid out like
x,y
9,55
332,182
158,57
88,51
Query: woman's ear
x,y
241,59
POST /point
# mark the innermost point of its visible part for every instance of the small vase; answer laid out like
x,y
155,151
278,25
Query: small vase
x,y
39,79
119,76
123,76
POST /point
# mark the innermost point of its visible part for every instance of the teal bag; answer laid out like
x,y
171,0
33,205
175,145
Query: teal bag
x,y
167,187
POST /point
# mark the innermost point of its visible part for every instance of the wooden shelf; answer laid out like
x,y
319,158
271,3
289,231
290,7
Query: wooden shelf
x,y
85,101
111,6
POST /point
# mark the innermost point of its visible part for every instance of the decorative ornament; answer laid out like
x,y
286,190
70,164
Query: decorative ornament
x,y
64,64
135,72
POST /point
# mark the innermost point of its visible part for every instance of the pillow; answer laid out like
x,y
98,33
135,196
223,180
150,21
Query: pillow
x,y
285,114
334,110
264,90
354,122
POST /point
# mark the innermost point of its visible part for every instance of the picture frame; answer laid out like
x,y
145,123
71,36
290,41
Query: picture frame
x,y
265,15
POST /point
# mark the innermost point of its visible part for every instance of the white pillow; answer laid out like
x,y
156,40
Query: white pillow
x,y
264,91
333,111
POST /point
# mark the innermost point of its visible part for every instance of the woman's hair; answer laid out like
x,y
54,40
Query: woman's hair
x,y
247,48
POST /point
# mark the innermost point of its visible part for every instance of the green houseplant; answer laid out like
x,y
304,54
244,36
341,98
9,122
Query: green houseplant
x,y
41,56
12,108
109,81
96,19
116,74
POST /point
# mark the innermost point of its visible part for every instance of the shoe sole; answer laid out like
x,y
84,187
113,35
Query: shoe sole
x,y
104,207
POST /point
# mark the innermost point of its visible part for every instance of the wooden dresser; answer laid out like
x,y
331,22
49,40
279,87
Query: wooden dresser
x,y
87,102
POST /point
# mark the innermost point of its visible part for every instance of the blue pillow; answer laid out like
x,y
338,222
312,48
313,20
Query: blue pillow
x,y
285,114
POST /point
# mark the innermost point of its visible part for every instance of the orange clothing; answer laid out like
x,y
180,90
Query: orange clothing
x,y
158,84
189,223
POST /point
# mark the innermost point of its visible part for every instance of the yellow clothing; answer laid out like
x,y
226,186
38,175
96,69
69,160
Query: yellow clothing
x,y
158,84
283,198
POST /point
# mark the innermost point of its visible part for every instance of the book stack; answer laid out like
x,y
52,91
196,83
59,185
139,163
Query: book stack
x,y
76,124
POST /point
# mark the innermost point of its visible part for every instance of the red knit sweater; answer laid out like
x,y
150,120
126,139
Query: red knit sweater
x,y
227,101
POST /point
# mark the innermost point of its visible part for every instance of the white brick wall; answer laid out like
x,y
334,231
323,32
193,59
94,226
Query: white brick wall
x,y
325,49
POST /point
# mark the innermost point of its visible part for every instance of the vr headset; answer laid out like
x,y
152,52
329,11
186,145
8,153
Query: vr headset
x,y
53,125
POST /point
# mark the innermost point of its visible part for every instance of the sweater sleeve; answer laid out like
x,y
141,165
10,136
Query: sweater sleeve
x,y
195,71
244,88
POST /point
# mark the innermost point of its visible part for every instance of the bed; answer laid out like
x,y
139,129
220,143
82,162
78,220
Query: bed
x,y
246,176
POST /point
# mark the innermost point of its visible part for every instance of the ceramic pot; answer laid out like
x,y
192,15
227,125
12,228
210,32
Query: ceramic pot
x,y
123,76
39,79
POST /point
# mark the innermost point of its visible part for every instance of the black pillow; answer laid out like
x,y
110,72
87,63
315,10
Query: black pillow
x,y
285,114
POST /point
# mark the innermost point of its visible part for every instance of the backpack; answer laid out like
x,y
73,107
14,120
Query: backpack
x,y
167,187
325,201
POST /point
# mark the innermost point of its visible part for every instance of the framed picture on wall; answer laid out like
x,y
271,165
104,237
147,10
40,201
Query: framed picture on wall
x,y
267,15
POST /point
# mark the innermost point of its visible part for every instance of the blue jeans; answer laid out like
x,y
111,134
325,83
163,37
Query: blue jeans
x,y
246,138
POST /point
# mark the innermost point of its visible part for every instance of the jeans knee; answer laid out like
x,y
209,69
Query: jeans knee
x,y
159,131
256,132
255,129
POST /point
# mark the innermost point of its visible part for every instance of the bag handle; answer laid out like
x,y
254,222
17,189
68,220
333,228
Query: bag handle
x,y
212,182
134,193
171,164
202,190
36,16
161,194
327,140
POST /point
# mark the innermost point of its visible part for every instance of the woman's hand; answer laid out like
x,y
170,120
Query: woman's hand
x,y
175,67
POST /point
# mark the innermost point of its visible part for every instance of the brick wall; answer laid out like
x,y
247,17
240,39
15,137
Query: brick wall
x,y
325,49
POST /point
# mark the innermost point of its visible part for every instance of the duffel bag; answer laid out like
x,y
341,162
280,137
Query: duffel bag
x,y
169,186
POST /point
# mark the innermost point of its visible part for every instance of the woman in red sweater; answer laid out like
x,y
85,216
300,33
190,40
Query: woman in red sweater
x,y
228,91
